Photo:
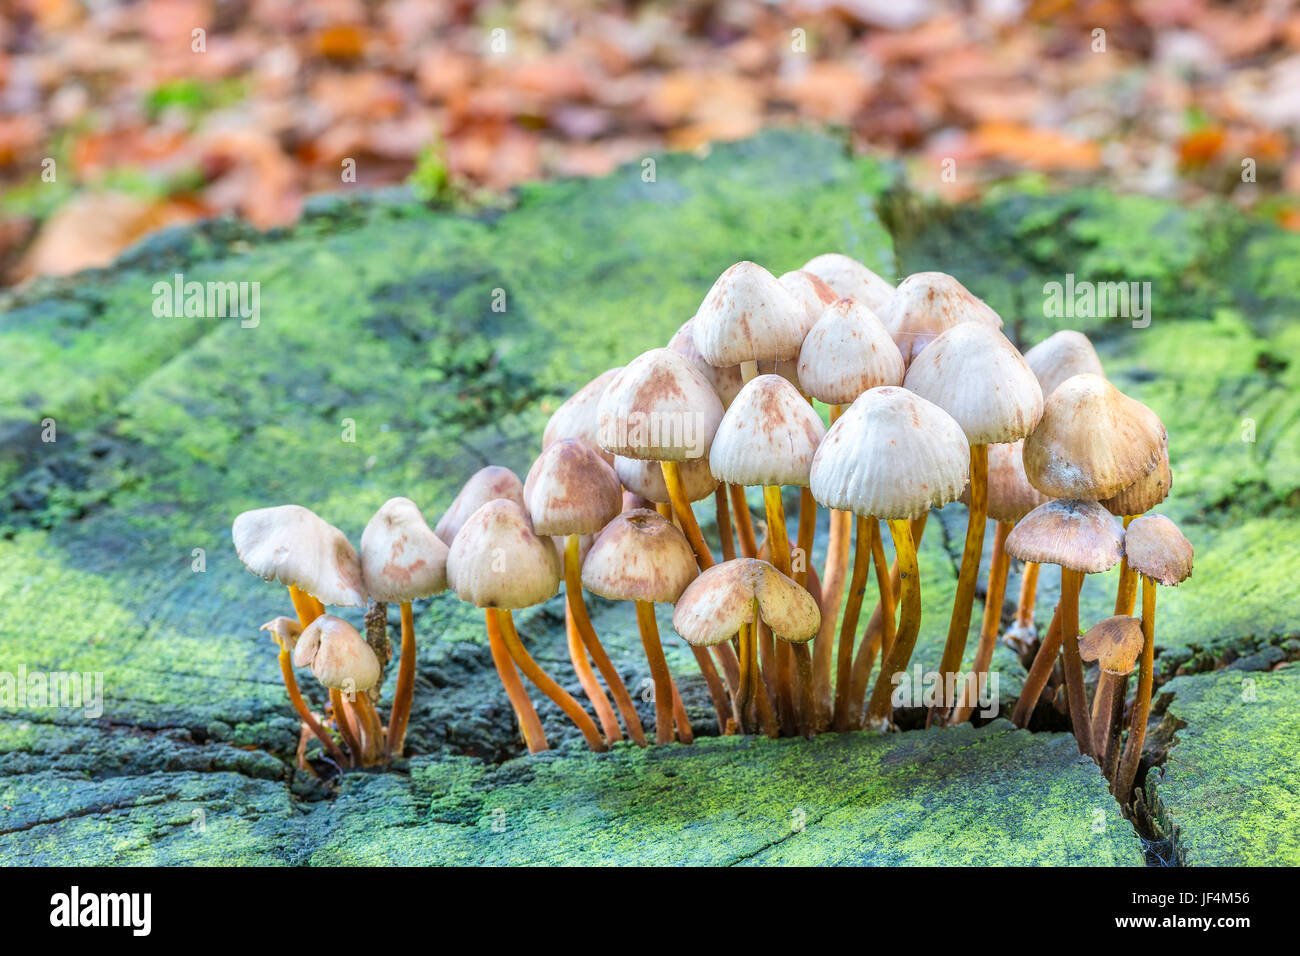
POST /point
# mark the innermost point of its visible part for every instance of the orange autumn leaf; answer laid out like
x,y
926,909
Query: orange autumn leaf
x,y
1200,147
1035,148
340,42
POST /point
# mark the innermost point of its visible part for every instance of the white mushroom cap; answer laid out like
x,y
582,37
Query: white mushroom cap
x,y
847,352
659,407
1080,535
401,558
497,560
570,490
891,455
927,304
338,656
975,375
576,418
646,479
1159,550
726,381
768,436
640,556
848,277
748,316
809,291
721,599
1062,355
293,545
486,484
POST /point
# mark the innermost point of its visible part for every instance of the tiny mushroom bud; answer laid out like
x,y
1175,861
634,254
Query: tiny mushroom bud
x,y
576,418
848,277
1115,644
1062,355
487,484
343,662
927,304
284,630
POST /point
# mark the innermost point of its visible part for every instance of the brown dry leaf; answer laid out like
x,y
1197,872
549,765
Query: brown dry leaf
x,y
830,91
91,229
1035,148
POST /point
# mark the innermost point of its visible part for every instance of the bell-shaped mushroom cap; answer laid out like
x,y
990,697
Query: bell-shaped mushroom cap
x,y
660,407
632,501
848,277
1011,496
486,484
1155,547
891,455
810,292
1114,643
847,352
640,556
338,656
721,599
1063,355
927,304
497,560
285,630
1145,493
768,436
726,381
570,490
401,558
748,316
646,479
576,418
1079,535
293,545
1092,441
975,375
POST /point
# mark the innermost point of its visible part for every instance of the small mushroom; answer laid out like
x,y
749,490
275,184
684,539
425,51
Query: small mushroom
x,y
402,560
576,418
927,304
487,484
286,631
1082,538
1114,644
1158,551
848,277
974,374
728,600
891,456
498,562
810,292
1060,356
343,662
572,492
1137,499
641,557
748,317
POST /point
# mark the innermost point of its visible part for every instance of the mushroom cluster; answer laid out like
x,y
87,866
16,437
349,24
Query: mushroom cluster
x,y
927,402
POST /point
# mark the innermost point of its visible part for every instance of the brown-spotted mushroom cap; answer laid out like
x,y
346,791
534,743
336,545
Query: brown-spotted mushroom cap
x,y
401,558
721,599
726,381
486,484
646,480
1079,535
768,436
296,547
848,277
927,304
1114,644
1092,441
640,556
660,407
1155,547
576,418
1011,496
748,316
1063,355
1145,493
570,490
891,455
847,352
810,292
975,375
497,560
338,656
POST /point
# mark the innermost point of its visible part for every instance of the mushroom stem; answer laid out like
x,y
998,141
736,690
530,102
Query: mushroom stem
x,y
1071,583
807,535
1114,729
807,710
684,733
989,626
833,580
582,620
1028,596
722,510
346,731
880,624
587,678
663,680
744,525
1109,687
880,708
685,514
304,712
405,692
1137,724
372,733
778,541
748,370
744,694
543,681
305,606
530,724
757,707
849,625
1126,592
967,577
1039,672
886,585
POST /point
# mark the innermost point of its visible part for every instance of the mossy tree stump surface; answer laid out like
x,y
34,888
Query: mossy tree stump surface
x,y
378,323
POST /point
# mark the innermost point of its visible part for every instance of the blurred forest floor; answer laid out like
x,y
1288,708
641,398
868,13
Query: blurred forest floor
x,y
118,117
